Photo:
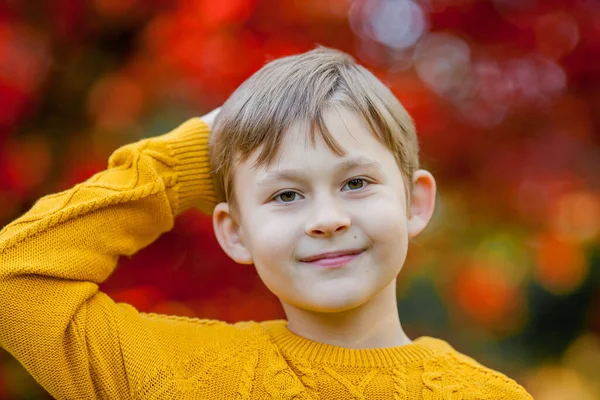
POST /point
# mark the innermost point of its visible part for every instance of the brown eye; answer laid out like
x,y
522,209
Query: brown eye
x,y
355,184
286,197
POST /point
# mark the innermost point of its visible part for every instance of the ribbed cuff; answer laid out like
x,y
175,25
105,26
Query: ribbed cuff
x,y
189,146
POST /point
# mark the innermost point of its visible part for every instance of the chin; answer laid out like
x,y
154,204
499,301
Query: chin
x,y
336,303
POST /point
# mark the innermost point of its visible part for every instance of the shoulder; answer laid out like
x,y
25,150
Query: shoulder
x,y
454,372
210,332
191,355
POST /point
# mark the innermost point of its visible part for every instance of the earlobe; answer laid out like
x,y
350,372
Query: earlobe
x,y
228,233
422,202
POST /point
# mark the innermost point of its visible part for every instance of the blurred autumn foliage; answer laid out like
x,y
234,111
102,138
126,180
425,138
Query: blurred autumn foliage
x,y
506,98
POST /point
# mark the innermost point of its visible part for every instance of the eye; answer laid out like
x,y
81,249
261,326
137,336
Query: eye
x,y
286,197
356,183
290,196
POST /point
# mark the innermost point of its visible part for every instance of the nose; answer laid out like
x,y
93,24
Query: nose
x,y
328,219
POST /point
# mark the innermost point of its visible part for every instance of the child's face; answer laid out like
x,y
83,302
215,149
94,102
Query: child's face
x,y
324,208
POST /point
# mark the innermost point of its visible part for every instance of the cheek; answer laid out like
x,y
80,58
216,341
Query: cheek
x,y
385,218
385,226
273,239
272,248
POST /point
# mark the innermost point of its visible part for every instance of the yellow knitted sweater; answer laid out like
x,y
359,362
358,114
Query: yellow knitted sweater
x,y
79,344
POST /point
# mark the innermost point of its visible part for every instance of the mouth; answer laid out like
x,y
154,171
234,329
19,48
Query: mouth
x,y
332,254
333,259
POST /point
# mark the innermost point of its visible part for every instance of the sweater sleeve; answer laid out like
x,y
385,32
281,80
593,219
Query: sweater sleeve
x,y
53,318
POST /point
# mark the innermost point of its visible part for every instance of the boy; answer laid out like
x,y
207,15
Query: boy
x,y
312,176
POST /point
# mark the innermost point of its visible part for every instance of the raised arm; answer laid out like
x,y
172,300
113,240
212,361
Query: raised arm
x,y
53,318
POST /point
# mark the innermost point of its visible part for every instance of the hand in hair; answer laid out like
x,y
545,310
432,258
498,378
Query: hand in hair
x,y
209,118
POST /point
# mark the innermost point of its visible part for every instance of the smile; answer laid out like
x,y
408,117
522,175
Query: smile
x,y
334,262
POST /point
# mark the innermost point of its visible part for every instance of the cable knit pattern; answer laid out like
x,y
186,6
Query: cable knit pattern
x,y
247,376
399,377
355,390
279,381
455,376
79,344
306,374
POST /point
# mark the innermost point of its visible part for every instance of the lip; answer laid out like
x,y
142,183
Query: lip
x,y
332,254
334,258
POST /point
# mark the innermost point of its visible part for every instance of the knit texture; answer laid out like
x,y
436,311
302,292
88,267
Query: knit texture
x,y
79,344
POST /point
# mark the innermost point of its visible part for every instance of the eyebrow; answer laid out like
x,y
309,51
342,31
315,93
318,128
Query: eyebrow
x,y
294,174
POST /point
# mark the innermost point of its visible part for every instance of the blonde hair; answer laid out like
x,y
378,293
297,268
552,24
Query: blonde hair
x,y
299,88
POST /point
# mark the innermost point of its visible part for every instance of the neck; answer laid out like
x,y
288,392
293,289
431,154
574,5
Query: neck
x,y
374,324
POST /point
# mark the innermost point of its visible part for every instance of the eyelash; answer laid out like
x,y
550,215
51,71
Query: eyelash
x,y
293,191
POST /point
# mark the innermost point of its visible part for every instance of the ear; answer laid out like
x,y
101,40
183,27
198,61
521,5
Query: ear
x,y
422,202
229,235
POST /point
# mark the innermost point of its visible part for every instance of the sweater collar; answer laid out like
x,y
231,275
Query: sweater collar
x,y
295,346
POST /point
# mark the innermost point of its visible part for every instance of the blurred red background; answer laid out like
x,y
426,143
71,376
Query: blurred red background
x,y
506,98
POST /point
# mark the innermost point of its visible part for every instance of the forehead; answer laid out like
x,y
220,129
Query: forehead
x,y
348,129
315,162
